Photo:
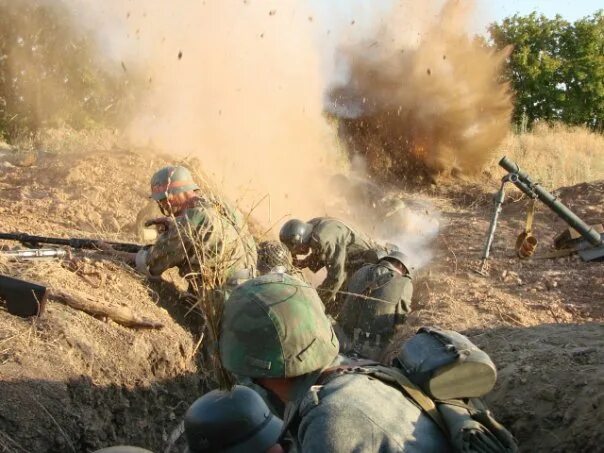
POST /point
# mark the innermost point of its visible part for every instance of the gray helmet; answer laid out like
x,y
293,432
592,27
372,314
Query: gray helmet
x,y
295,232
238,421
275,326
399,257
273,255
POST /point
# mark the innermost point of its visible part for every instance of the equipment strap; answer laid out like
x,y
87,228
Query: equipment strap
x,y
391,375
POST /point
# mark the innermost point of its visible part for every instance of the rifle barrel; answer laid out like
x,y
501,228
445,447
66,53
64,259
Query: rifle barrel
x,y
76,243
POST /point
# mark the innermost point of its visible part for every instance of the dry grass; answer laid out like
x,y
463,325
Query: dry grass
x,y
555,156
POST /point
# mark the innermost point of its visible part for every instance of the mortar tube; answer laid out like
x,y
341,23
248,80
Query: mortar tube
x,y
524,183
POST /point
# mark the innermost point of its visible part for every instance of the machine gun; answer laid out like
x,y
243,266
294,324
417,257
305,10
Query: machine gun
x,y
76,243
592,246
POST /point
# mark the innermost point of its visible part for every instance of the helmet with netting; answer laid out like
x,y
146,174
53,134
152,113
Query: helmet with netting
x,y
275,326
274,255
171,181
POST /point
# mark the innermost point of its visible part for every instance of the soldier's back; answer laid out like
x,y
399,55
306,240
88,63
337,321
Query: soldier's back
x,y
353,412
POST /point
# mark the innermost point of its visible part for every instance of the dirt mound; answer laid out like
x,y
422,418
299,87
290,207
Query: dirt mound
x,y
524,313
550,389
69,381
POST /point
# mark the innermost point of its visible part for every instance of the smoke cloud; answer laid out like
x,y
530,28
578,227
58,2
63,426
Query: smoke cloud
x,y
424,100
275,97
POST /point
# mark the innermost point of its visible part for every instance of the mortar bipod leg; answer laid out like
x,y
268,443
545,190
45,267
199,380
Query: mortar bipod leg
x,y
498,199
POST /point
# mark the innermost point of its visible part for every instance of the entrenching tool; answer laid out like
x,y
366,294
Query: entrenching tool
x,y
22,298
591,248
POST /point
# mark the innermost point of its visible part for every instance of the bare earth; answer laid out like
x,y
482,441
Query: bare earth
x,y
71,382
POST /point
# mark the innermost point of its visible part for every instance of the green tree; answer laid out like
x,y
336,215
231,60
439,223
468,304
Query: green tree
x,y
556,68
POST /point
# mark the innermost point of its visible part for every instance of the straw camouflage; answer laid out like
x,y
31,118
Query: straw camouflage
x,y
275,326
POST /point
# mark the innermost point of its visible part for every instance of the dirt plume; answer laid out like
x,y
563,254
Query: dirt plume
x,y
419,104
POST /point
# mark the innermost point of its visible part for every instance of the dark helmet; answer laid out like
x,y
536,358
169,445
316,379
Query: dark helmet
x,y
295,232
272,255
275,326
170,181
231,422
399,257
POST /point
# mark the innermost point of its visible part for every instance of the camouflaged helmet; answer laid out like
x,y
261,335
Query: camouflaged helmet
x,y
171,181
273,255
238,421
295,232
275,326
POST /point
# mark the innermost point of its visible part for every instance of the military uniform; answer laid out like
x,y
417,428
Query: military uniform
x,y
274,327
369,318
341,250
201,242
347,412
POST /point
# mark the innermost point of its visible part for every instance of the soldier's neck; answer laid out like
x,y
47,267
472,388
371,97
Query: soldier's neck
x,y
281,387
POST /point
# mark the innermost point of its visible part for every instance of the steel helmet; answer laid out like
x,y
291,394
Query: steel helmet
x,y
236,421
272,255
295,232
170,181
400,257
275,326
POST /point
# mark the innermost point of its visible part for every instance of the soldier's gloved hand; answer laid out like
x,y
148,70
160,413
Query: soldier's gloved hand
x,y
162,224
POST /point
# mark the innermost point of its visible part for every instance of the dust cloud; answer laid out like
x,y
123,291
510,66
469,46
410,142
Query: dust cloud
x,y
421,97
238,85
276,97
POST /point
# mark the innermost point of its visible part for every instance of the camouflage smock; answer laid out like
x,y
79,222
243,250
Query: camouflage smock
x,y
369,321
355,412
202,242
341,250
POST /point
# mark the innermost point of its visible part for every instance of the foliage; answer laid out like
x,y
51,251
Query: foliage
x,y
51,74
556,68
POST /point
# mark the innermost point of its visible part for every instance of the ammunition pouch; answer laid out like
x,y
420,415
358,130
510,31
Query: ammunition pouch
x,y
472,428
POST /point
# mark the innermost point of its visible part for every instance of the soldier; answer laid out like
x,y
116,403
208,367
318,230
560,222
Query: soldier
x,y
332,244
274,256
199,238
274,331
381,301
236,421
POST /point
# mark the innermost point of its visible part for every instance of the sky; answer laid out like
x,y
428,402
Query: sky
x,y
571,10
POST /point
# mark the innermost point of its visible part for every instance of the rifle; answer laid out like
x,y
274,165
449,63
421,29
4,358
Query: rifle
x,y
29,254
75,243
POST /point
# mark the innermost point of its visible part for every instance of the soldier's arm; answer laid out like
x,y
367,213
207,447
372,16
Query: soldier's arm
x,y
404,306
172,248
334,257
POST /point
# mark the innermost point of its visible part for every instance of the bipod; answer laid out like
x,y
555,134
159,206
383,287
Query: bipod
x,y
498,199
